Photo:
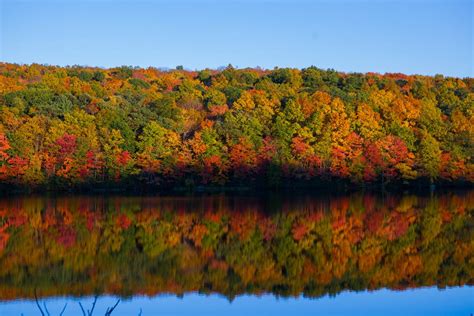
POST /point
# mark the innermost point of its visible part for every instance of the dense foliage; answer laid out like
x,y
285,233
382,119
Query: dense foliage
x,y
126,246
65,127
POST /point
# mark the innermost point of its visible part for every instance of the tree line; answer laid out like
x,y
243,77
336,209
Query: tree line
x,y
83,127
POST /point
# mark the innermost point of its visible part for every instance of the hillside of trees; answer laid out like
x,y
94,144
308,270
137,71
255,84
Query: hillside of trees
x,y
91,245
125,127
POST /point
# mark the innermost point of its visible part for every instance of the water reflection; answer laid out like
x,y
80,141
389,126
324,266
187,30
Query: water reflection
x,y
233,245
424,301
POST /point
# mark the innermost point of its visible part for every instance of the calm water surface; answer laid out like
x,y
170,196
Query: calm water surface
x,y
358,254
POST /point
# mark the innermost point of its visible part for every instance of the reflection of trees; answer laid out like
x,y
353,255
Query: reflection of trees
x,y
314,246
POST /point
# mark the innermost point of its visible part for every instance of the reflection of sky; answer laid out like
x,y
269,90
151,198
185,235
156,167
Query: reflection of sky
x,y
426,301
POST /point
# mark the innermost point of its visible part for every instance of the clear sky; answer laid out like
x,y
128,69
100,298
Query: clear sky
x,y
409,36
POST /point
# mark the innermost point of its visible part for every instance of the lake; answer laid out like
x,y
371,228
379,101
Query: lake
x,y
238,254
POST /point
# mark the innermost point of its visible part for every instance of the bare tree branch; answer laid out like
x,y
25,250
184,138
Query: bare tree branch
x,y
110,310
37,304
82,308
64,308
46,308
93,305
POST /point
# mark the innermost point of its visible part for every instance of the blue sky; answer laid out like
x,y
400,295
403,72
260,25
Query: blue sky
x,y
420,36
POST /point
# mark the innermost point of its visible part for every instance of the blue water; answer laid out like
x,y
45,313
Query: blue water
x,y
422,301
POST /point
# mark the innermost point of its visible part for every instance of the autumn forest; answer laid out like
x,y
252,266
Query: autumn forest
x,y
82,127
